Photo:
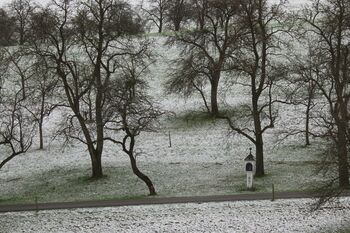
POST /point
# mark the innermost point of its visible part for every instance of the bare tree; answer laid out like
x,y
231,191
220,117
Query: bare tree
x,y
22,66
156,12
21,11
301,89
41,98
37,82
82,49
329,190
123,20
137,115
4,63
7,29
254,60
207,53
177,13
198,12
74,76
328,22
16,128
42,23
133,110
102,46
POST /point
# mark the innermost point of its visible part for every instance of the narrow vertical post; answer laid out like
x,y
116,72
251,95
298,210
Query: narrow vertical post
x,y
169,139
273,192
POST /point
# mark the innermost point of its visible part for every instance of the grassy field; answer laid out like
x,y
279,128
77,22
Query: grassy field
x,y
204,159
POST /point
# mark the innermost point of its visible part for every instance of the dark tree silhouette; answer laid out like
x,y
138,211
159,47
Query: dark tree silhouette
x,y
21,11
328,22
156,13
207,53
133,110
16,129
7,29
259,45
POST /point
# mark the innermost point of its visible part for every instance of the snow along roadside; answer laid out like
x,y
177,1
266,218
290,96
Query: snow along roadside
x,y
253,216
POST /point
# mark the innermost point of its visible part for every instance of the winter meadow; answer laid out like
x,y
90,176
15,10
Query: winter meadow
x,y
114,100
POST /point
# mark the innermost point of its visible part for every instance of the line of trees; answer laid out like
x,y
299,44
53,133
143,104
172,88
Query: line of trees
x,y
327,24
90,58
246,42
85,57
166,13
237,38
15,20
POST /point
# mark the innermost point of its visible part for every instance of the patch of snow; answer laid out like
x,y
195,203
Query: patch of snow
x,y
253,216
205,159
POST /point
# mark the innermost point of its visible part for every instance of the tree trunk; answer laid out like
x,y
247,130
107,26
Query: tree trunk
x,y
21,35
142,176
95,154
307,123
259,150
214,96
23,84
160,28
96,165
343,165
41,120
259,144
201,21
311,90
201,18
41,137
8,159
177,25
100,91
90,106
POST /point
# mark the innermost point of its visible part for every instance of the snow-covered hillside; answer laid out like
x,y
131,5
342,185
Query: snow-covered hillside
x,y
205,159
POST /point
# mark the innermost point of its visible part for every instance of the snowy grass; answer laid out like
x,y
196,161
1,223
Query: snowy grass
x,y
249,216
205,158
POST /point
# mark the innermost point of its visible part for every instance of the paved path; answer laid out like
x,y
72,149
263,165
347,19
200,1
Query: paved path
x,y
152,201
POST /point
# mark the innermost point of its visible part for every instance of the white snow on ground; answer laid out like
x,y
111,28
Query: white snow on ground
x,y
203,159
254,216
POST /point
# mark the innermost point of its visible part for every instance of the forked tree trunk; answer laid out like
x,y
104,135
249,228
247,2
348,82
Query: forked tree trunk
x,y
95,155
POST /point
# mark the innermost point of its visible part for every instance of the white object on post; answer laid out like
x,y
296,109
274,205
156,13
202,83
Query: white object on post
x,y
250,169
